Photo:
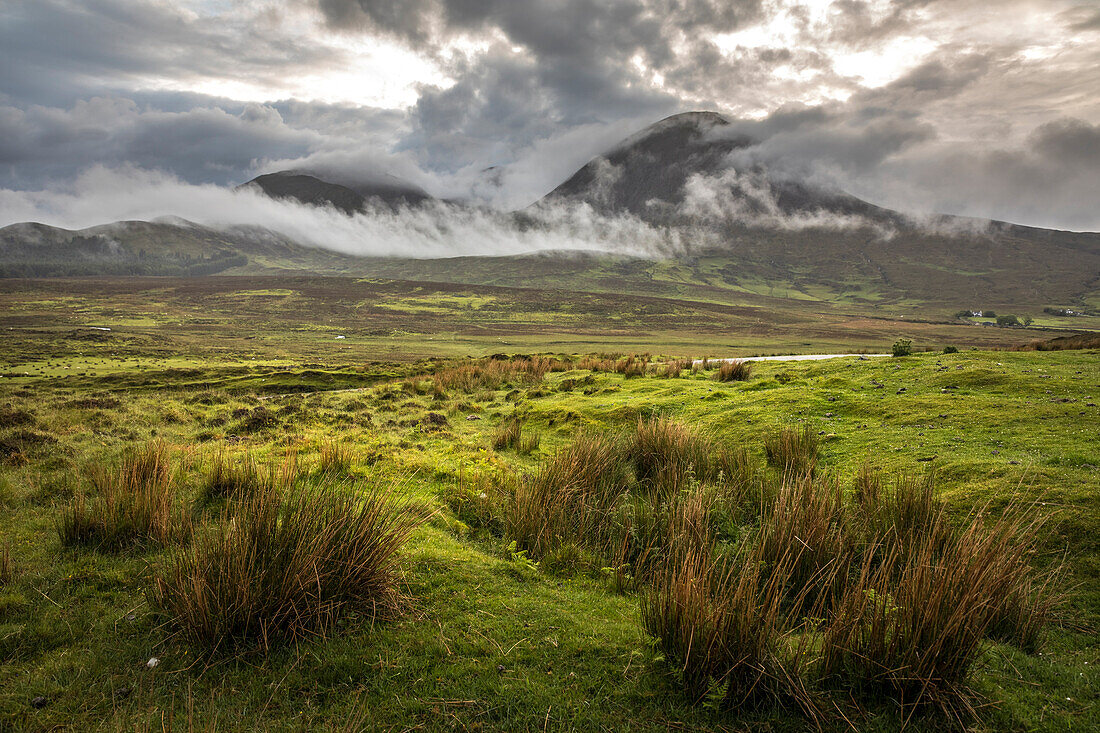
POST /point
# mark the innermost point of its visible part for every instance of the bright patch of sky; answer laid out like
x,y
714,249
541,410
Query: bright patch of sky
x,y
793,25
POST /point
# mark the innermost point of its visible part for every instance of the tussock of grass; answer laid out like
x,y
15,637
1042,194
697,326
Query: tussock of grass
x,y
285,565
804,529
610,494
229,479
632,366
135,505
911,623
599,363
794,452
667,455
478,500
574,495
494,372
508,435
512,435
734,371
335,458
888,593
721,620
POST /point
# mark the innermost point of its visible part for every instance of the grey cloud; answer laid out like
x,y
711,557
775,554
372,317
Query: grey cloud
x,y
574,66
971,129
56,51
1048,180
1070,143
855,22
42,144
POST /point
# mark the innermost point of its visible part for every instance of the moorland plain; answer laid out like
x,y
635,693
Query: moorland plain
x,y
496,630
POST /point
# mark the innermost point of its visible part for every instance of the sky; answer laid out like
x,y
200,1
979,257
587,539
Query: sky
x,y
985,108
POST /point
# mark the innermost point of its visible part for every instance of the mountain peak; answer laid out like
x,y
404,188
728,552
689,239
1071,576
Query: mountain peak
x,y
650,167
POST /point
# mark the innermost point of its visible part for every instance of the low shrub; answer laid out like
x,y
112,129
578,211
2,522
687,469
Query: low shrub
x,y
902,347
286,565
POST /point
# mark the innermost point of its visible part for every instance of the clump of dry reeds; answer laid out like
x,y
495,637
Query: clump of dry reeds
x,y
285,565
734,370
492,373
227,478
881,591
794,452
7,569
722,620
335,458
911,622
598,363
632,366
512,435
135,504
573,496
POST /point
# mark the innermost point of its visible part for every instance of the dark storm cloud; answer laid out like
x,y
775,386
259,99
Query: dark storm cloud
x,y
551,65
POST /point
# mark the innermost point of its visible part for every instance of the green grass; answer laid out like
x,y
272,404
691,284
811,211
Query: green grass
x,y
485,642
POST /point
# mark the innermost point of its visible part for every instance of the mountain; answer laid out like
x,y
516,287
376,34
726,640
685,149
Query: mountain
x,y
346,194
648,175
726,231
760,230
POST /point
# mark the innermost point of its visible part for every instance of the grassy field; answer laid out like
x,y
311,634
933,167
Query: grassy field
x,y
300,319
486,639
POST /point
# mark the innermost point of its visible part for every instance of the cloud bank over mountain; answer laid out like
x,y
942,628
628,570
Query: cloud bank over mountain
x,y
960,106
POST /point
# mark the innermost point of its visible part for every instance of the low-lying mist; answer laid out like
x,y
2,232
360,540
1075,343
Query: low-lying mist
x,y
438,229
433,230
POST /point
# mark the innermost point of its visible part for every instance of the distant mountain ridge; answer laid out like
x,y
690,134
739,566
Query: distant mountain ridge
x,y
175,248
